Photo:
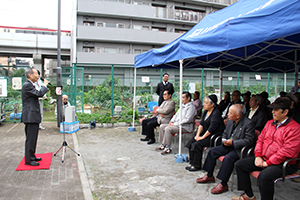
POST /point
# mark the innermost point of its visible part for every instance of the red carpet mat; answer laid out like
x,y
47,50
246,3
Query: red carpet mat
x,y
44,163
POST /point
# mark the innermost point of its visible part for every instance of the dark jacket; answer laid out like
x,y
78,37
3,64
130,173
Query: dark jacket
x,y
215,122
259,119
161,88
223,105
245,132
30,102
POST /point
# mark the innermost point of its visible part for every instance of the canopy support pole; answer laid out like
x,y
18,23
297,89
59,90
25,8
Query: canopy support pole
x,y
285,81
180,100
221,84
202,87
133,109
180,157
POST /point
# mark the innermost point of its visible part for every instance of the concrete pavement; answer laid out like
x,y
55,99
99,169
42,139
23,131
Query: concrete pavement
x,y
61,181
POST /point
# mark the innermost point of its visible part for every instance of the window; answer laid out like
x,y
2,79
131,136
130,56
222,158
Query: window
x,y
121,50
137,51
88,23
158,29
99,49
140,27
120,25
111,25
100,24
180,31
110,50
88,49
141,3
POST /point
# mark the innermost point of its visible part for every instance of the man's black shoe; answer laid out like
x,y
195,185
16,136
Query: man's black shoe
x,y
32,163
151,141
38,159
145,139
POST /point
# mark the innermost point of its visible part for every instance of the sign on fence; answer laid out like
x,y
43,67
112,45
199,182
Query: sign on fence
x,y
3,86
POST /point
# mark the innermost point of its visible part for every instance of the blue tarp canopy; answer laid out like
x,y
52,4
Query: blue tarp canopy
x,y
249,35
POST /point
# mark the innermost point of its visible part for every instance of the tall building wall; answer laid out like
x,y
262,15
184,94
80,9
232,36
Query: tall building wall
x,y
113,32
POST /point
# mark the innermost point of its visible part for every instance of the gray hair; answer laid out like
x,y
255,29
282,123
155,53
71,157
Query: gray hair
x,y
210,101
238,108
28,71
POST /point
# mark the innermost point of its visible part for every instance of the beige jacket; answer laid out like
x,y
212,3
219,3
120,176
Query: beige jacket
x,y
167,108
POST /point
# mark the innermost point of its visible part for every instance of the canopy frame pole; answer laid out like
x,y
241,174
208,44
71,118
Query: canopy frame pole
x,y
285,81
221,83
202,84
180,103
134,93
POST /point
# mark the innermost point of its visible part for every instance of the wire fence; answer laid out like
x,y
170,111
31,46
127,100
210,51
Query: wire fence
x,y
103,94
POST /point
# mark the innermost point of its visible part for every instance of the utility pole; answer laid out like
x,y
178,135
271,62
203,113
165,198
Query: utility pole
x,y
58,72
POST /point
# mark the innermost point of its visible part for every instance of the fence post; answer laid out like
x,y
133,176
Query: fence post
x,y
112,89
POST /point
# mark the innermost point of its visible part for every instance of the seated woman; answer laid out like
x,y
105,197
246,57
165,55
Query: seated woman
x,y
211,123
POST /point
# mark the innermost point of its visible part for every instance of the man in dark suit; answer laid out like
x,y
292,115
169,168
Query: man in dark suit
x,y
239,132
31,116
162,86
256,114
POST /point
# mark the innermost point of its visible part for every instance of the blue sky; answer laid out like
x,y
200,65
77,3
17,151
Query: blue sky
x,y
40,13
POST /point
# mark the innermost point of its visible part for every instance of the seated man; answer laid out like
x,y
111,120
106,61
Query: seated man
x,y
197,103
278,141
239,132
256,114
235,99
167,130
164,115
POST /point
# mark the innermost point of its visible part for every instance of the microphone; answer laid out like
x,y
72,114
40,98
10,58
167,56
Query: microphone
x,y
44,79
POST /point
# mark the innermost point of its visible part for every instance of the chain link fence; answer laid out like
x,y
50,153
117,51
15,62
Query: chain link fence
x,y
112,95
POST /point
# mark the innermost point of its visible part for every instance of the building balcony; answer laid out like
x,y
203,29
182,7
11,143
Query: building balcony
x,y
122,35
140,12
105,58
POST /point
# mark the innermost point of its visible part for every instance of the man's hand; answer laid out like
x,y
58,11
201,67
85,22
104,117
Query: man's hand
x,y
171,124
162,115
259,162
228,142
265,164
45,82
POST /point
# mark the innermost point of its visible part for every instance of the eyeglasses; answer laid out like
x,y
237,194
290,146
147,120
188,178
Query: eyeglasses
x,y
165,94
